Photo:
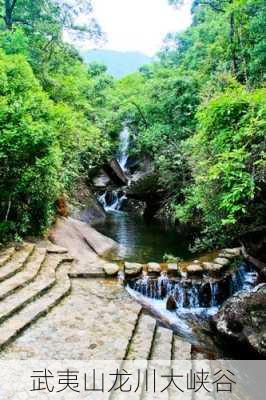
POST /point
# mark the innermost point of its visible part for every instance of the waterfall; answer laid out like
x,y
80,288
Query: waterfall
x,y
113,200
196,294
122,156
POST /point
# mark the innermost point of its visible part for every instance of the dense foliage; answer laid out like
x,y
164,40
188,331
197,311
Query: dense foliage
x,y
52,124
200,115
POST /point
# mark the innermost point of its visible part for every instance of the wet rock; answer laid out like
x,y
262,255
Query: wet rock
x,y
114,171
101,181
111,269
212,268
171,303
243,318
133,268
205,295
172,268
224,291
154,267
194,270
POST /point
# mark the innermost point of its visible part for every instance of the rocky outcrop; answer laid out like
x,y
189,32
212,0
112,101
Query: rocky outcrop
x,y
114,171
84,244
83,205
243,319
254,248
144,187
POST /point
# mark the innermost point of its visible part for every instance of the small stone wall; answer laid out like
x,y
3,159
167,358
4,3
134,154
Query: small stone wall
x,y
195,269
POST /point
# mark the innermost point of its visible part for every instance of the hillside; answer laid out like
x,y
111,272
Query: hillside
x,y
119,63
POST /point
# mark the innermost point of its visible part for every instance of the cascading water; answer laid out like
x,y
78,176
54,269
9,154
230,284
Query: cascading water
x,y
113,200
196,295
122,156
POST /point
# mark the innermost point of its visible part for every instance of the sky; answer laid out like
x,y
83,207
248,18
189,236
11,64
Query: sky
x,y
138,25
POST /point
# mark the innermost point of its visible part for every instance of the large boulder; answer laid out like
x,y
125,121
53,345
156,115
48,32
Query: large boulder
x,y
171,304
83,205
255,243
114,171
243,319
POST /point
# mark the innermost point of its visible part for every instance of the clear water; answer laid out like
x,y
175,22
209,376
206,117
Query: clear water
x,y
143,241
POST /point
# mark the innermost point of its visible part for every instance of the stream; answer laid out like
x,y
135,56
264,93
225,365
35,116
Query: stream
x,y
142,240
197,301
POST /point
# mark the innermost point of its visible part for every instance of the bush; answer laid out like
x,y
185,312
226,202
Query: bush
x,y
227,157
30,155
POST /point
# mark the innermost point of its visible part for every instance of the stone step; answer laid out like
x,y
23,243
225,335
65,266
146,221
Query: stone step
x,y
160,362
181,362
41,284
139,349
29,272
181,350
198,366
6,255
17,262
15,325
142,340
162,346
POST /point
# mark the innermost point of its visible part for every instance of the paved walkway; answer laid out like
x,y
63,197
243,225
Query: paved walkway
x,y
45,314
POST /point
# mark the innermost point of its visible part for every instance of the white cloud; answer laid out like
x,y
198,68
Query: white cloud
x,y
138,25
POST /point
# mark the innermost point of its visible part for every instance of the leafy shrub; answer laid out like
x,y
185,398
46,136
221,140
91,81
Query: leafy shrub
x,y
30,156
227,157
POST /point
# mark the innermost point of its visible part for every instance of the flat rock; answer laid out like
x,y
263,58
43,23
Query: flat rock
x,y
194,269
111,269
211,267
133,268
224,254
235,251
154,267
221,261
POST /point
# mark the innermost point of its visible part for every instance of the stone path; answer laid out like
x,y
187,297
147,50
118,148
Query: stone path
x,y
95,318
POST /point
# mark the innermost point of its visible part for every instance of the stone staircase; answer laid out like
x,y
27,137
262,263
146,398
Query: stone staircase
x,y
152,342
36,277
33,280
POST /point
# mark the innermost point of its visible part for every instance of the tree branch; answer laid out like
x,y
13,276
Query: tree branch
x,y
13,5
141,114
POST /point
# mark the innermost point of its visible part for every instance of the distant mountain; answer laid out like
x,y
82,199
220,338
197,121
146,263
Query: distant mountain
x,y
119,63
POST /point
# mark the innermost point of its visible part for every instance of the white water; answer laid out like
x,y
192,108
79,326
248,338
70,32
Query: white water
x,y
194,296
117,199
124,137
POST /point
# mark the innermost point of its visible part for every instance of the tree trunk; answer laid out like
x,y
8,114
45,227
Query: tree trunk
x,y
9,8
232,44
